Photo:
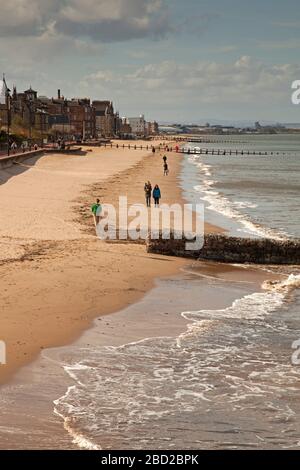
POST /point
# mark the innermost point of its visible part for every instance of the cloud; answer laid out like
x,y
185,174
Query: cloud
x,y
245,81
103,20
27,17
50,46
114,20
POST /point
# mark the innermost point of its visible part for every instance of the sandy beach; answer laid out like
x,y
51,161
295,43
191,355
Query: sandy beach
x,y
149,229
56,275
173,324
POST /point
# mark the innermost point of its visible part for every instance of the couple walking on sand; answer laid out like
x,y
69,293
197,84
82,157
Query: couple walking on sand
x,y
156,194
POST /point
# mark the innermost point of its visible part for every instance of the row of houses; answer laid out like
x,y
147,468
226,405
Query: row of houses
x,y
78,117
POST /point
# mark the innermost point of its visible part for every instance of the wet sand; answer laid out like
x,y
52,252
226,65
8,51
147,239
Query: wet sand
x,y
157,314
56,275
60,280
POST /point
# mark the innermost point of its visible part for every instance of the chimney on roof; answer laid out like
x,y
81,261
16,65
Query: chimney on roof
x,y
58,94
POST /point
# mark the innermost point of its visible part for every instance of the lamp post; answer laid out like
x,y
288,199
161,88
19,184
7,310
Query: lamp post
x,y
7,95
41,127
30,102
43,123
63,118
65,115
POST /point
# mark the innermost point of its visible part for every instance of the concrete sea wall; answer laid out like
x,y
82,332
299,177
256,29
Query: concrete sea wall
x,y
231,249
6,162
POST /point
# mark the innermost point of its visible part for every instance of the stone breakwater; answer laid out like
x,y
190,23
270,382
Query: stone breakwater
x,y
231,249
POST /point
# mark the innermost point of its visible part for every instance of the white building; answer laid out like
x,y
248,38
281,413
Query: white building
x,y
138,125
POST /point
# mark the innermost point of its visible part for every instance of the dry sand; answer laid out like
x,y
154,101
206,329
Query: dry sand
x,y
56,276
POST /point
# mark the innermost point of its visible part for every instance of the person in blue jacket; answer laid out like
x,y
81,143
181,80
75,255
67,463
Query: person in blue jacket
x,y
156,195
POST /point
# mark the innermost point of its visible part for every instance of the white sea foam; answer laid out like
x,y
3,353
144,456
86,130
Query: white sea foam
x,y
77,438
154,378
245,205
253,306
287,285
219,203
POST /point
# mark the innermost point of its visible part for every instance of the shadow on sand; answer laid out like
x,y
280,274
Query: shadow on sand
x,y
17,168
20,166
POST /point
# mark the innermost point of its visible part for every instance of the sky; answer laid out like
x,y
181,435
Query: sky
x,y
172,60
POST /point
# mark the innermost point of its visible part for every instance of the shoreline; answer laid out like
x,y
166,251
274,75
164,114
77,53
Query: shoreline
x,y
158,314
45,303
89,297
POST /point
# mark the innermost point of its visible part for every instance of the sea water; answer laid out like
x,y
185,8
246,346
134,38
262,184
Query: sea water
x,y
227,381
250,195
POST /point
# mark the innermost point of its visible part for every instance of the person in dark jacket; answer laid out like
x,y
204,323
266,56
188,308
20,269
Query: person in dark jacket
x,y
148,191
156,195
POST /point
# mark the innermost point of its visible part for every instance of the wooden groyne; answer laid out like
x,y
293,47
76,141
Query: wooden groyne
x,y
227,249
202,140
210,141
227,152
190,150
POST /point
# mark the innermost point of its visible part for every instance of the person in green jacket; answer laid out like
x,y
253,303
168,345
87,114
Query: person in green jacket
x,y
96,210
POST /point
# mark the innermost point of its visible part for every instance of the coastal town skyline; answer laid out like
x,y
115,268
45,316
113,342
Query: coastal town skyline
x,y
36,116
194,62
40,118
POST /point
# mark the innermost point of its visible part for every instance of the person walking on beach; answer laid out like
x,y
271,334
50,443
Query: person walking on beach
x,y
165,158
156,195
148,191
166,169
96,210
